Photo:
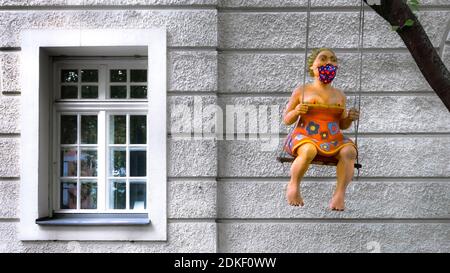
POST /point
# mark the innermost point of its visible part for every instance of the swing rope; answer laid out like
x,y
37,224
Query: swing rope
x,y
360,47
283,157
283,154
306,68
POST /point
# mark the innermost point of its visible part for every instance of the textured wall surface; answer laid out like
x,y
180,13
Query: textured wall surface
x,y
227,195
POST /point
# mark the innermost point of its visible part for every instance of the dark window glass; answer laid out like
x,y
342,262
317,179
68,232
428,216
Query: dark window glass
x,y
138,163
118,92
69,75
69,92
118,75
138,129
90,75
89,92
138,75
68,129
138,92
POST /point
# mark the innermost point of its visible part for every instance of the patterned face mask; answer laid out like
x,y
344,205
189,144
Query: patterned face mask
x,y
327,73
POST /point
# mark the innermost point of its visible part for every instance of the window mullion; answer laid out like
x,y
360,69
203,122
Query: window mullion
x,y
57,162
102,82
101,183
78,162
128,83
79,84
127,149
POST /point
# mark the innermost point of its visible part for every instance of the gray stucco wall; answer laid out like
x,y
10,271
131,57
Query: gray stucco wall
x,y
228,195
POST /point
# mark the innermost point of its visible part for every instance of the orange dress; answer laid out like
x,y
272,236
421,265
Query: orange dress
x,y
319,126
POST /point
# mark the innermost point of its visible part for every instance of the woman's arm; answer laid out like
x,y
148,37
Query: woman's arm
x,y
345,123
291,112
347,117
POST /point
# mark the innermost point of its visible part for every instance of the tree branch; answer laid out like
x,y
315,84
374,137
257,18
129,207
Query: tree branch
x,y
396,12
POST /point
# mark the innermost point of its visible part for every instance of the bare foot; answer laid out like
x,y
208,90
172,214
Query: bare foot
x,y
337,202
293,195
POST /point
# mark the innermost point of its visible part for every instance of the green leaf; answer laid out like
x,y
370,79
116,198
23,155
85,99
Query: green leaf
x,y
413,5
395,28
409,22
414,8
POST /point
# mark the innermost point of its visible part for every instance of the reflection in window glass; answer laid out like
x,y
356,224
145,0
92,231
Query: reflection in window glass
x,y
68,198
88,162
138,92
117,129
138,197
89,129
69,75
117,195
118,164
69,92
118,75
89,75
69,162
138,129
88,194
68,129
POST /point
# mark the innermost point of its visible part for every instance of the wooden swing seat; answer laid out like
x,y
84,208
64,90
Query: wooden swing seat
x,y
318,160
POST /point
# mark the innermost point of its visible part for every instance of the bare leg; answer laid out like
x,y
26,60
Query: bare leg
x,y
306,154
345,170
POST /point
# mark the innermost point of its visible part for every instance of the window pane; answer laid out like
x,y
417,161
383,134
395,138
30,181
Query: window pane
x,y
89,92
138,197
69,75
138,129
138,163
88,160
117,129
89,75
88,195
69,162
118,161
118,92
117,195
138,92
118,75
89,129
68,129
138,75
68,195
69,92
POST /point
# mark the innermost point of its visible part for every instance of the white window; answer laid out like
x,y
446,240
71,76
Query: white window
x,y
100,136
93,135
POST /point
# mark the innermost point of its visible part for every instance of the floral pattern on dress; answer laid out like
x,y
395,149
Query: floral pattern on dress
x,y
333,127
325,146
312,128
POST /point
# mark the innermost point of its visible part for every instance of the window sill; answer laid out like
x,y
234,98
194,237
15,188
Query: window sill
x,y
100,219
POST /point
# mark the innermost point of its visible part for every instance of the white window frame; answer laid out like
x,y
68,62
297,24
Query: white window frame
x,y
36,144
103,108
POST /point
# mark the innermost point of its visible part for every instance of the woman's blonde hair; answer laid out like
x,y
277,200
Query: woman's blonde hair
x,y
314,53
